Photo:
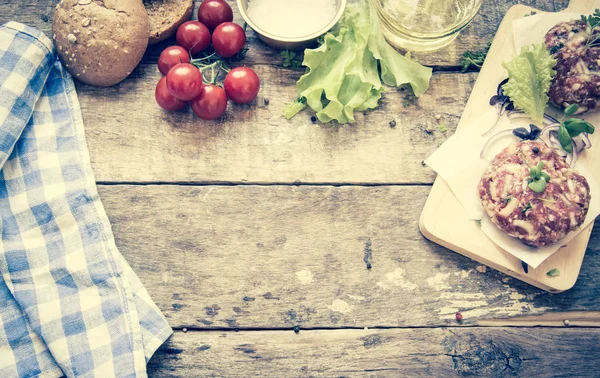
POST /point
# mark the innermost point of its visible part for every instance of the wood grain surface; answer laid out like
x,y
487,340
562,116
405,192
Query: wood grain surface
x,y
449,352
285,256
255,144
328,243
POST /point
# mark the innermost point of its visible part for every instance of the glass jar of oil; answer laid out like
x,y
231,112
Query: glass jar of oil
x,y
424,25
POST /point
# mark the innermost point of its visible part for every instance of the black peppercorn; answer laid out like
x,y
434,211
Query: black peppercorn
x,y
535,150
313,119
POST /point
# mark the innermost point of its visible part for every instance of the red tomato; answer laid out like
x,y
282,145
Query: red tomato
x,y
193,36
241,85
165,99
212,13
211,103
170,57
228,39
184,81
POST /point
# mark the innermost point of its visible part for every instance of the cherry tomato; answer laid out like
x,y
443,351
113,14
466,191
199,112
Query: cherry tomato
x,y
228,39
211,103
212,13
184,81
172,56
165,99
193,36
241,85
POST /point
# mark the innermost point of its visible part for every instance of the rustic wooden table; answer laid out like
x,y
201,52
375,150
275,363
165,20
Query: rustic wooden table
x,y
245,229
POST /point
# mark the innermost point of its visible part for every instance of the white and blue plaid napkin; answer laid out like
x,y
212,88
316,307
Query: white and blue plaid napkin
x,y
69,303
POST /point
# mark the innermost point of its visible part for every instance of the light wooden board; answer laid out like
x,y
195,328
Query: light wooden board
x,y
444,220
284,256
39,14
483,352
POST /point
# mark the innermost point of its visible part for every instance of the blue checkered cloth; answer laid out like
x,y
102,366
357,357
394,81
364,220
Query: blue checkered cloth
x,y
69,303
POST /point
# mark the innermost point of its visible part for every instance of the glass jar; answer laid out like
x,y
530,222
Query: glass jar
x,y
424,25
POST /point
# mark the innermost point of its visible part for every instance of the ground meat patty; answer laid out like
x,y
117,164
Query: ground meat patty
x,y
577,78
537,219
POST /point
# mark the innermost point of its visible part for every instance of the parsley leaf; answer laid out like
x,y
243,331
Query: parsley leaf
x,y
474,58
592,21
288,59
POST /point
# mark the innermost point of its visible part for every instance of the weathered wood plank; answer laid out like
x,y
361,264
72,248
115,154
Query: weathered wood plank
x,y
477,352
551,319
285,256
131,139
475,37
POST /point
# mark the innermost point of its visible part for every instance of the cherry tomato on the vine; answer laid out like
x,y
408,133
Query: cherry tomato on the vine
x,y
193,36
241,85
211,103
212,13
228,39
184,81
172,56
165,99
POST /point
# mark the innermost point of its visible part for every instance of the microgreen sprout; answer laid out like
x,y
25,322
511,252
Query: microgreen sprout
x,y
571,128
538,178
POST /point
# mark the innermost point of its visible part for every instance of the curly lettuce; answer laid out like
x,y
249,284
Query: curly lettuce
x,y
346,73
529,77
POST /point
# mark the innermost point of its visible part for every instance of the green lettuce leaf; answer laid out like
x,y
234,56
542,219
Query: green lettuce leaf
x,y
343,74
529,77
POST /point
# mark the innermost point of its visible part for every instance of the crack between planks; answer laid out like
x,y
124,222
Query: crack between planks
x,y
240,183
449,328
152,59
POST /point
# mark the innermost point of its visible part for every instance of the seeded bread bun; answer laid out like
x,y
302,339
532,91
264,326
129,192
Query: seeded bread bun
x,y
100,41
166,16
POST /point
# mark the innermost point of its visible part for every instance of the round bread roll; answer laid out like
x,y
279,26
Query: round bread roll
x,y
100,41
166,16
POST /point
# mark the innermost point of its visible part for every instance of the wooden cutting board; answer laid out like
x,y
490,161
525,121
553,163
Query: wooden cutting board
x,y
444,220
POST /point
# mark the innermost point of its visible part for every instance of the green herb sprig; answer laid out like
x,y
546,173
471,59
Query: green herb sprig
x,y
553,273
571,128
476,58
538,178
289,59
209,60
592,21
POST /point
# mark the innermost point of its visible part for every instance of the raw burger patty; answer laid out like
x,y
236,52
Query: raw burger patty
x,y
537,219
577,80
